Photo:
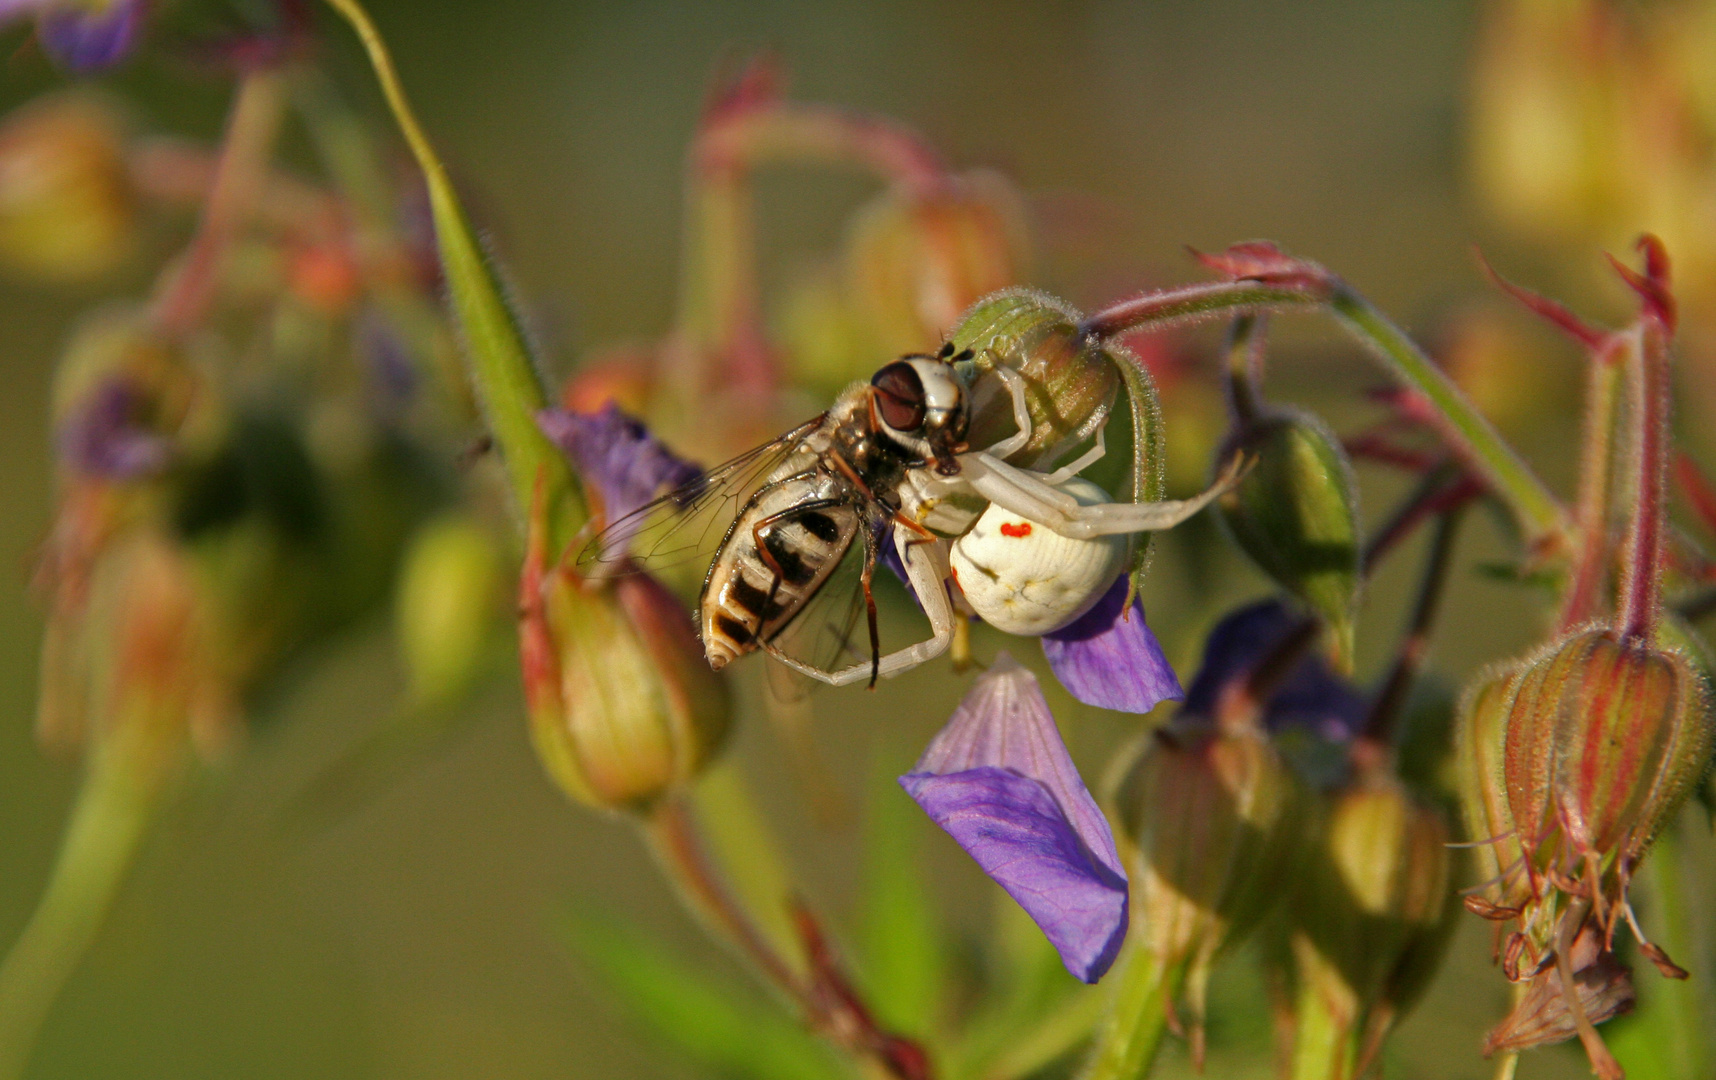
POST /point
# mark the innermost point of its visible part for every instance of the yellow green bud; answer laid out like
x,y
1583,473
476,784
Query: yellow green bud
x,y
1372,912
446,605
1478,739
623,707
1210,821
67,209
1296,514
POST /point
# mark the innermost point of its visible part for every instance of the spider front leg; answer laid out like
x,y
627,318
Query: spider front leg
x,y
1032,496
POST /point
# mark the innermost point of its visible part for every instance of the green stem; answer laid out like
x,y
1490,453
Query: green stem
x,y
1641,594
1131,1032
120,791
1245,348
1466,431
1324,1046
1050,1039
509,387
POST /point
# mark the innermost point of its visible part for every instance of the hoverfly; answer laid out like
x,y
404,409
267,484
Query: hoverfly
x,y
888,462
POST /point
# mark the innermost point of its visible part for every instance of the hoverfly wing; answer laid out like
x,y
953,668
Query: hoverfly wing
x,y
828,632
688,524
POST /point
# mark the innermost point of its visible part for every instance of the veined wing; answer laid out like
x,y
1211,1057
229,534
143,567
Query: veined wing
x,y
687,524
831,631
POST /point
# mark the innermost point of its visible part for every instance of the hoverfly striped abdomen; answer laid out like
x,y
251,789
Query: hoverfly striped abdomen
x,y
776,555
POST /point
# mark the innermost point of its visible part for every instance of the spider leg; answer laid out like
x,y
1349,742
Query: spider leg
x,y
1086,460
1012,444
1027,494
927,569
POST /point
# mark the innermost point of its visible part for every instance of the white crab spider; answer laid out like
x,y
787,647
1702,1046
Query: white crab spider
x,y
1028,494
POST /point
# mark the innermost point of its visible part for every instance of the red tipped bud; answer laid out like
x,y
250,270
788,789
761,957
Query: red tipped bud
x,y
623,707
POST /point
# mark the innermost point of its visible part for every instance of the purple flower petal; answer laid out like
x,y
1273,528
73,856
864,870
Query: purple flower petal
x,y
84,39
616,454
1112,661
103,435
1312,696
999,780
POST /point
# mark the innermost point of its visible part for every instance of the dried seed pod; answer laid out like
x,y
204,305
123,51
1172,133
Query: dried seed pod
x,y
1606,736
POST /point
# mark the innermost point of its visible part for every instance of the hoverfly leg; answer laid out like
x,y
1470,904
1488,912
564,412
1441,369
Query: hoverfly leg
x,y
870,612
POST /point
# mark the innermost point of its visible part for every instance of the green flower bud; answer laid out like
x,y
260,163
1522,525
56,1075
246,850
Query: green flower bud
x,y
1372,914
1296,514
623,706
1605,739
1070,382
67,210
915,261
1212,820
446,605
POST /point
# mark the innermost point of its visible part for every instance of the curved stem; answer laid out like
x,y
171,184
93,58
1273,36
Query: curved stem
x,y
1379,726
1470,436
118,797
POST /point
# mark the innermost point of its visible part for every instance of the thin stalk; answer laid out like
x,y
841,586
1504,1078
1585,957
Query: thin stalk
x,y
1641,595
1246,343
509,388
1131,1032
1441,491
122,787
1596,479
1677,1009
679,851
252,124
1050,1039
1380,725
1506,1066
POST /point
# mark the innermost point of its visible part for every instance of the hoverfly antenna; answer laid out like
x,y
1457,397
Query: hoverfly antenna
x,y
946,351
965,354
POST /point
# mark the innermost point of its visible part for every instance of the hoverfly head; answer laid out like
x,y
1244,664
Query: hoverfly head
x,y
921,403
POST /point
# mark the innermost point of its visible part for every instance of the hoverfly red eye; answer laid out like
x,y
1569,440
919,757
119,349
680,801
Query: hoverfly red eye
x,y
899,397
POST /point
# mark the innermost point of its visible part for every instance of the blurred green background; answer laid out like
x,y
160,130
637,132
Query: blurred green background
x,y
415,938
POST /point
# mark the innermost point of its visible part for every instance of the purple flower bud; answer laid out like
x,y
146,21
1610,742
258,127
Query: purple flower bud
x,y
104,437
617,455
999,780
1310,697
1109,658
84,40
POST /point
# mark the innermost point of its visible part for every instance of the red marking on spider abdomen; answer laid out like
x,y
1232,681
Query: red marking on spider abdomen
x,y
1022,529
